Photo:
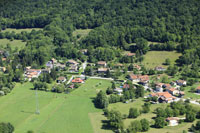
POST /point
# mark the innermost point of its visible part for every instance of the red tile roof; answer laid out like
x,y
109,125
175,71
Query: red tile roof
x,y
77,80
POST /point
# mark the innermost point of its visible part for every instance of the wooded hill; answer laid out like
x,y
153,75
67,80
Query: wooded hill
x,y
115,23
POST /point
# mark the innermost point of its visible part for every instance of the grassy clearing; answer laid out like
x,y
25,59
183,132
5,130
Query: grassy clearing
x,y
14,44
124,109
157,58
82,32
189,94
58,112
20,30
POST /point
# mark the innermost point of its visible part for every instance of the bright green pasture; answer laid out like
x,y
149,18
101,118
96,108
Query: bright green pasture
x,y
157,58
59,113
14,44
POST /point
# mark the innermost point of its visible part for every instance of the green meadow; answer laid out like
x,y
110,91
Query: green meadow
x,y
59,113
157,58
14,44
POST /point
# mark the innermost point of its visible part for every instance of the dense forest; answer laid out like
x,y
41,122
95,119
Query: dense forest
x,y
116,25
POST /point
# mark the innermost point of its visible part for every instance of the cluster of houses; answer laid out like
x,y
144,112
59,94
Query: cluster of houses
x,y
29,73
73,65
141,79
168,92
102,67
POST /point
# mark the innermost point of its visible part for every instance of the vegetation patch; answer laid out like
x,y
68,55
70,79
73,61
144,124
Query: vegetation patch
x,y
20,30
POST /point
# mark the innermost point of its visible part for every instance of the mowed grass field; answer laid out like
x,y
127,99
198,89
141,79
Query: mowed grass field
x,y
157,58
59,113
15,43
20,30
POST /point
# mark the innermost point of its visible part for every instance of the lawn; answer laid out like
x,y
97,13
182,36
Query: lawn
x,y
15,43
189,94
157,58
69,113
82,32
20,30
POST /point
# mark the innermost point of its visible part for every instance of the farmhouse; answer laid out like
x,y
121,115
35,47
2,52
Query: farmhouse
x,y
173,121
61,79
77,80
101,63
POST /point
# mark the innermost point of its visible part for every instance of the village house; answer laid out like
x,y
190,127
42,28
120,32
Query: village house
x,y
160,68
181,82
167,86
102,70
134,77
198,89
101,63
61,79
163,97
118,91
173,91
159,87
173,121
142,79
32,73
77,80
